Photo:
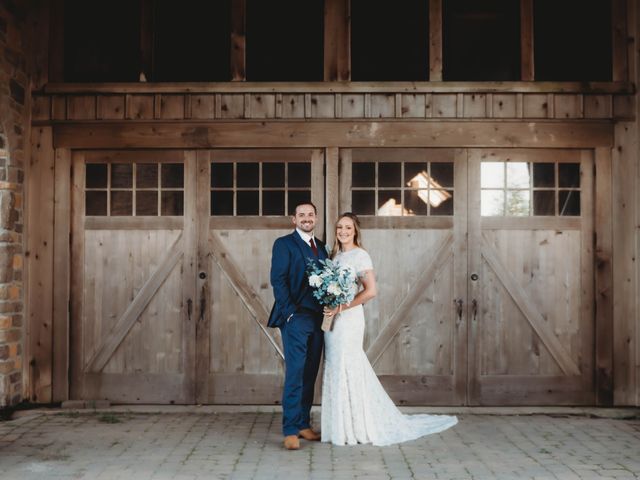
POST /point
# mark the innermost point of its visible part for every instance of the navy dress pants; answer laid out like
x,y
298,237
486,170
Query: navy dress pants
x,y
303,341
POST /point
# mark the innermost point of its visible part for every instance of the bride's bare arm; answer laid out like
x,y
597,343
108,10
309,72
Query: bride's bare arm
x,y
369,290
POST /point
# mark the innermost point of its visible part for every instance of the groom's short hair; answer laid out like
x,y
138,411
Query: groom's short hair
x,y
299,204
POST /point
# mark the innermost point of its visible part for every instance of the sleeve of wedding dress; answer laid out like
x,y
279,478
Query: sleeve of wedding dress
x,y
364,262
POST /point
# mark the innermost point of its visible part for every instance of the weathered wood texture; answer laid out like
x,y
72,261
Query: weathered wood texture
x,y
379,103
61,274
625,270
40,264
238,40
341,134
435,40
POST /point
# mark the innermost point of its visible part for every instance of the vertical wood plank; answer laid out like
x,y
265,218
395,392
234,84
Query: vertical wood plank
x,y
232,105
443,105
61,274
568,106
81,107
59,107
435,40
624,173
322,106
262,105
586,330
474,265
598,106
171,107
76,353
344,197
353,105
603,278
292,105
111,107
202,315
383,105
504,105
535,106
238,40
332,189
189,270
460,282
619,44
41,107
337,41
526,41
317,189
413,105
474,105
139,107
39,263
202,106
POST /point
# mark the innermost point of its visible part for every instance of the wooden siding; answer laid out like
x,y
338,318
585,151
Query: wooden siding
x,y
380,104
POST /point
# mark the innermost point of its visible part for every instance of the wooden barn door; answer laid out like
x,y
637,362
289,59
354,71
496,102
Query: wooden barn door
x,y
133,277
244,198
531,277
412,205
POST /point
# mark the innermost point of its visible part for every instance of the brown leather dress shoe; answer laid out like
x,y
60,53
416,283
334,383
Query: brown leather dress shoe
x,y
309,434
291,442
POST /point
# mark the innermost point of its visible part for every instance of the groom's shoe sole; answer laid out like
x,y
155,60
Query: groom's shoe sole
x,y
309,435
291,442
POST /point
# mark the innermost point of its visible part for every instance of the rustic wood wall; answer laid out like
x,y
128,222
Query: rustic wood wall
x,y
331,115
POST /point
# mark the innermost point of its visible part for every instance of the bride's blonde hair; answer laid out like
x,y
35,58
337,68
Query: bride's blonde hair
x,y
356,227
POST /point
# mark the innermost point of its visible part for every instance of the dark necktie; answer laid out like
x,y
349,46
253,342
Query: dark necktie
x,y
313,247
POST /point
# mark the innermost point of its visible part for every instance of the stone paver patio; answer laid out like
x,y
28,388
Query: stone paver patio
x,y
191,444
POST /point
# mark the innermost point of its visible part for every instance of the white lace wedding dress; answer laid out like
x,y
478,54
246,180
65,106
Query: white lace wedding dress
x,y
355,407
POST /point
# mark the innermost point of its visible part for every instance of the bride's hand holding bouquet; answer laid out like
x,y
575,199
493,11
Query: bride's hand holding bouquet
x,y
333,286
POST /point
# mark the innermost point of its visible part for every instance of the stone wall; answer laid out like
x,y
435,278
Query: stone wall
x,y
15,119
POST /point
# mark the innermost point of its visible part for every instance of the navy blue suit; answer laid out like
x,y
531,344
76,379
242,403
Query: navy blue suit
x,y
299,316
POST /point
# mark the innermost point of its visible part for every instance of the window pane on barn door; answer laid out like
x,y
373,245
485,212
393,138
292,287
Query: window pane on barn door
x,y
121,203
248,175
572,40
481,40
101,41
96,175
172,203
285,40
192,41
146,175
389,40
363,174
273,175
95,203
172,175
273,202
146,203
221,203
299,175
222,175
121,175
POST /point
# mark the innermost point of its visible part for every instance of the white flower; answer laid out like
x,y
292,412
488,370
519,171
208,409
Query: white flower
x,y
315,280
334,289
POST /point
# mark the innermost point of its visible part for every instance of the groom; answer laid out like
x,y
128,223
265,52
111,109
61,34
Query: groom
x,y
299,316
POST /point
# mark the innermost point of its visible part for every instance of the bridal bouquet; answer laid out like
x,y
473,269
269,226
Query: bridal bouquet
x,y
332,284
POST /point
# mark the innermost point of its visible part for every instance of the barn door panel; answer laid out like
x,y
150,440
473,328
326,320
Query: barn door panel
x,y
412,207
531,276
244,198
133,280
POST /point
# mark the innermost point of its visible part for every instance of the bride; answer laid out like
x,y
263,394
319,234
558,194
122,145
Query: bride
x,y
355,407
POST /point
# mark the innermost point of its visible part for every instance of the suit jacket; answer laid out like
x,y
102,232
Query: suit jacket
x,y
289,279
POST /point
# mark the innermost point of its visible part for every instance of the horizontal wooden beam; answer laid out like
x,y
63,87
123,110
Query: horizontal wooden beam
x,y
246,134
343,87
